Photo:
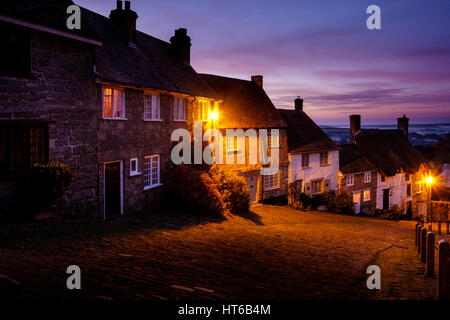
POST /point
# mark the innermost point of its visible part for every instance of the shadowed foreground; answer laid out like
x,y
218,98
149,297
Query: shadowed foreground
x,y
272,253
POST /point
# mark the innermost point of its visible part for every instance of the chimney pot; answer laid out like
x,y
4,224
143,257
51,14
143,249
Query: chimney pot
x,y
355,124
299,104
403,124
258,80
181,44
125,20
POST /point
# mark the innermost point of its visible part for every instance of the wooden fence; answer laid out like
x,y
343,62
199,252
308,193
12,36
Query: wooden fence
x,y
427,248
438,215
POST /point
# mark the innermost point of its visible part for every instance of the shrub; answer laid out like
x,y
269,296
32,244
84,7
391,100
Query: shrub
x,y
342,203
193,190
46,184
305,200
233,189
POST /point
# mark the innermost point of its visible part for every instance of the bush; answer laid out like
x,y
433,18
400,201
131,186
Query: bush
x,y
193,190
342,203
233,189
305,200
322,199
46,184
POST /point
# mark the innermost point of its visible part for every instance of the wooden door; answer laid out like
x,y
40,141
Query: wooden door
x,y
113,195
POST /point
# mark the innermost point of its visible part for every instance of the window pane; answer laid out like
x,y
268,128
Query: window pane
x,y
107,103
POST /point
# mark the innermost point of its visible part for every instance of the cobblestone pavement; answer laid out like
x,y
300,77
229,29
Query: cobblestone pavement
x,y
271,253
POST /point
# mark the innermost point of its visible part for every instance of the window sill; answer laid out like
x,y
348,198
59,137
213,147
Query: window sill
x,y
308,167
325,165
349,185
135,174
233,151
119,119
366,200
179,120
367,181
272,188
153,186
153,120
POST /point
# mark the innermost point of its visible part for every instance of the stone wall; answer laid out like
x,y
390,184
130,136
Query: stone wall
x,y
367,207
121,140
61,92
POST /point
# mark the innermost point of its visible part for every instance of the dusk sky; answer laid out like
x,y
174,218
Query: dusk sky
x,y
320,50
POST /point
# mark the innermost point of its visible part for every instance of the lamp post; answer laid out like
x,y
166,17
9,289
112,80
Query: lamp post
x,y
429,182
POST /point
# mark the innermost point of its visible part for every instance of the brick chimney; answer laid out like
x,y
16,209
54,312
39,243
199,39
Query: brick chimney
x,y
181,45
258,80
403,124
125,20
298,104
355,124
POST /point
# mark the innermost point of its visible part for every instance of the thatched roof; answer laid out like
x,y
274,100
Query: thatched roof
x,y
304,135
351,159
388,150
245,104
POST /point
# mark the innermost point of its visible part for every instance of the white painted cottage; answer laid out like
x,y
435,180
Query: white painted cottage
x,y
313,156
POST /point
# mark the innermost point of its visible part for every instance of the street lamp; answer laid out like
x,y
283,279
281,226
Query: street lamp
x,y
429,182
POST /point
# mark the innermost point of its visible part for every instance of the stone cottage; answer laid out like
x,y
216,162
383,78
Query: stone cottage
x,y
401,170
103,100
247,107
357,177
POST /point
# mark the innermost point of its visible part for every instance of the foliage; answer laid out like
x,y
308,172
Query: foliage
x,y
193,190
342,203
47,183
322,199
233,189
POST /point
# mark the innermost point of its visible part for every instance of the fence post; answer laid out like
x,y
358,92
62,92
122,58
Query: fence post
x,y
447,226
444,273
429,267
416,238
439,226
419,237
423,242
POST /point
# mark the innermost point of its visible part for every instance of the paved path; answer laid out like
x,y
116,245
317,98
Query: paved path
x,y
272,253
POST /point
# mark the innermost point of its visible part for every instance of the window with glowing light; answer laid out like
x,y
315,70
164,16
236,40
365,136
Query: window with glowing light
x,y
271,181
151,107
151,171
179,109
113,103
205,109
366,195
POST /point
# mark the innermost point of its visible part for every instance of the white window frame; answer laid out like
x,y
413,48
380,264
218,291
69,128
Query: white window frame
x,y
305,160
117,102
148,174
177,107
152,106
134,172
364,195
349,180
272,181
322,157
321,181
367,177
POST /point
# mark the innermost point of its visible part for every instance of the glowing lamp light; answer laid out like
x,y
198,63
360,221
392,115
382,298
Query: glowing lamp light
x,y
215,115
429,180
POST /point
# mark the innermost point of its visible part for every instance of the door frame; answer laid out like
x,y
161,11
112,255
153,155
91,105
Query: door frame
x,y
388,192
256,177
104,186
359,201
